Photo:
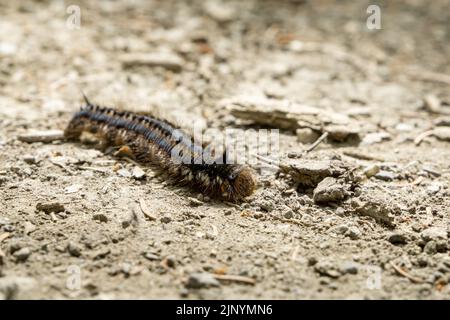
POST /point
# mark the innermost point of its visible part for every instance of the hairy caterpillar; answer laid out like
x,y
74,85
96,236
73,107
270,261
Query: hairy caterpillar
x,y
151,141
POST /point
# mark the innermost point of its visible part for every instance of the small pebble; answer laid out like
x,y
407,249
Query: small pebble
x,y
54,207
151,256
371,170
306,135
166,219
170,261
22,254
201,280
193,202
385,175
124,173
74,249
353,233
430,247
100,217
433,233
397,237
28,227
73,188
30,159
348,267
434,188
138,173
326,268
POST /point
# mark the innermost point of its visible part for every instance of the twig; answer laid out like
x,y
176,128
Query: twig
x,y
231,204
102,170
362,156
318,141
294,221
267,160
129,160
422,136
145,210
4,236
229,277
414,183
42,136
405,274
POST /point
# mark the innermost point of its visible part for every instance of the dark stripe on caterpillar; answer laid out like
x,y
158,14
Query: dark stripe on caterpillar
x,y
154,142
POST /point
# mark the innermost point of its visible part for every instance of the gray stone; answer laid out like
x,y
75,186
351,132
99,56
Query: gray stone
x,y
446,261
434,188
348,267
166,219
397,237
433,233
28,227
138,173
101,253
371,170
385,175
74,249
306,135
430,247
22,254
441,245
30,159
266,205
219,11
170,261
201,280
151,256
124,173
327,268
375,137
312,261
340,133
50,207
341,229
442,133
309,173
288,213
432,103
372,207
329,190
353,233
194,202
13,287
100,217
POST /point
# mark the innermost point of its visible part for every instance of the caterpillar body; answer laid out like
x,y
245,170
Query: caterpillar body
x,y
152,142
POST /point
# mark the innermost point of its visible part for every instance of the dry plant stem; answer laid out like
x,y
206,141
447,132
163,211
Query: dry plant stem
x,y
423,135
4,236
405,274
318,141
233,278
42,136
145,210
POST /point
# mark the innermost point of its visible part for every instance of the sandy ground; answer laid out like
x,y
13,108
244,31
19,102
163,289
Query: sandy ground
x,y
71,223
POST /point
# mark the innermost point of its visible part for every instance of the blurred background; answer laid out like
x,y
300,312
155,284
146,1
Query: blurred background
x,y
188,55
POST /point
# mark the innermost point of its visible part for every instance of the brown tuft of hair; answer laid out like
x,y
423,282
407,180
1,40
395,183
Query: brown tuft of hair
x,y
244,184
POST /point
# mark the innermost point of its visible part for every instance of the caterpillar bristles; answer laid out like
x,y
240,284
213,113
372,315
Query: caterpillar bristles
x,y
152,141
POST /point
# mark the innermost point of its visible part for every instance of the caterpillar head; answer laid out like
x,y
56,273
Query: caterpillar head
x,y
242,183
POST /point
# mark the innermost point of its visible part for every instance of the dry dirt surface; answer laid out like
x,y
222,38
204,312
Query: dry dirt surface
x,y
363,215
